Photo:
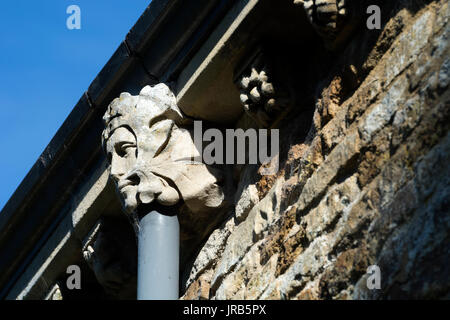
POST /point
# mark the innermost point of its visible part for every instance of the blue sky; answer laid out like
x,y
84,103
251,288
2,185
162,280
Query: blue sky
x,y
45,68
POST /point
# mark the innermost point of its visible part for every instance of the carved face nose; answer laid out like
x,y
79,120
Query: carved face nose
x,y
118,167
122,172
116,170
121,150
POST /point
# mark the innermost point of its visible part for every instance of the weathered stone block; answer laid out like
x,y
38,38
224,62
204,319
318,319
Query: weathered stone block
x,y
330,209
246,233
328,170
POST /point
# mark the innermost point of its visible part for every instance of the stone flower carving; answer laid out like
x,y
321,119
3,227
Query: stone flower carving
x,y
262,98
333,20
151,153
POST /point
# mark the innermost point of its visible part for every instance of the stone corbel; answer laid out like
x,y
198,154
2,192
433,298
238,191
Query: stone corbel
x,y
110,252
153,159
264,98
333,20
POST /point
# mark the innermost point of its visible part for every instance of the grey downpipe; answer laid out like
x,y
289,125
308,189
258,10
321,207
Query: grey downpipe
x,y
158,257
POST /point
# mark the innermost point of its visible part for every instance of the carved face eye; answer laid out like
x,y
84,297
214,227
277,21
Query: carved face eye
x,y
121,149
126,149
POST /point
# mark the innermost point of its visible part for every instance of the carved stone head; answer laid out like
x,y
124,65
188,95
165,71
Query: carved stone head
x,y
151,150
333,20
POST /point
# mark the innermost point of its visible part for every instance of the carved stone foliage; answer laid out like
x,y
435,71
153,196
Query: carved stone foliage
x,y
264,99
333,20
